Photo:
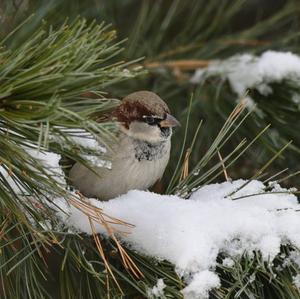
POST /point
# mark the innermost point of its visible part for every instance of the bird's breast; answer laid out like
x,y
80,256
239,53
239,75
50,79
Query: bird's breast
x,y
149,151
145,164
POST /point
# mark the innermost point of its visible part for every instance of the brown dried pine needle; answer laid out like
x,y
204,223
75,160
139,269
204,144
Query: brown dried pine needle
x,y
97,215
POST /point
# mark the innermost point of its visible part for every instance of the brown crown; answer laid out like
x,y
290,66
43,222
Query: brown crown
x,y
140,103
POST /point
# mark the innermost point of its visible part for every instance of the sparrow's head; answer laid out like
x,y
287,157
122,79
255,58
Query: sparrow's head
x,y
143,115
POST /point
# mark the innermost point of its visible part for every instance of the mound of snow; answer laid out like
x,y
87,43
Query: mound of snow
x,y
191,233
233,218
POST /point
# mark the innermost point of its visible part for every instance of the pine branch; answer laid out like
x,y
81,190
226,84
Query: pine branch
x,y
42,97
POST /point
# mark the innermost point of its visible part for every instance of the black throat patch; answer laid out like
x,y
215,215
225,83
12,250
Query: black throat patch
x,y
149,151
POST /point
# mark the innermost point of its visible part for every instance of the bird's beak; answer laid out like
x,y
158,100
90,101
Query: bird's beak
x,y
169,121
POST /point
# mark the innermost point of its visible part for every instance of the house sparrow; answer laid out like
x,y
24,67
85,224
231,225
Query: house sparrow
x,y
141,154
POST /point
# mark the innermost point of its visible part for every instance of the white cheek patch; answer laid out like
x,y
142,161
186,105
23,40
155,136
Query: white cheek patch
x,y
143,131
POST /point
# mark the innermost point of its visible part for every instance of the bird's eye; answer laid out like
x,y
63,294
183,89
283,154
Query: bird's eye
x,y
150,120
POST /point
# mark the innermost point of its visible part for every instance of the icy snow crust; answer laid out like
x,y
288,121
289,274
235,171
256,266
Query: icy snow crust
x,y
232,217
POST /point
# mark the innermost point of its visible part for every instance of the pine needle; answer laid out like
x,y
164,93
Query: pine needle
x,y
227,178
185,167
96,214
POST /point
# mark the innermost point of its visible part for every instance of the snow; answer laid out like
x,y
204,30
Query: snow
x,y
228,262
296,281
85,140
295,257
232,218
201,284
49,160
248,71
158,290
88,141
218,218
79,137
